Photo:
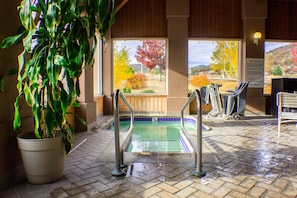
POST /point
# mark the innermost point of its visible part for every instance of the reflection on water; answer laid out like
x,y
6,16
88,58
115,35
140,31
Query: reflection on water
x,y
156,136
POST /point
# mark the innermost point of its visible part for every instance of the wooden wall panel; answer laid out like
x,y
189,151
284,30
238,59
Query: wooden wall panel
x,y
282,20
208,19
141,18
148,104
99,105
215,19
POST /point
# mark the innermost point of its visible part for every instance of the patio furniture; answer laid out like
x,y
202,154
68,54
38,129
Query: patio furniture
x,y
287,108
235,103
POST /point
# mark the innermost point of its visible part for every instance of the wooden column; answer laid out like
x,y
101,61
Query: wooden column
x,y
107,75
177,72
254,14
87,109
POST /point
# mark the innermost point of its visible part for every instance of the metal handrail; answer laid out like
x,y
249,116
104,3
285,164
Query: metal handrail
x,y
198,149
119,148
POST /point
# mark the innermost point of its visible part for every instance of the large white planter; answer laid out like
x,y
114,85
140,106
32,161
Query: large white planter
x,y
43,159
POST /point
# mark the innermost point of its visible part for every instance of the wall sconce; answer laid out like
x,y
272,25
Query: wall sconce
x,y
257,36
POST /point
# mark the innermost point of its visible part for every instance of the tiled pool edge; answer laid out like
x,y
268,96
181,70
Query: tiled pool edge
x,y
150,119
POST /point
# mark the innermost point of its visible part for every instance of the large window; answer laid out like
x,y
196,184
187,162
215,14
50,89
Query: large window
x,y
139,66
280,61
213,61
98,69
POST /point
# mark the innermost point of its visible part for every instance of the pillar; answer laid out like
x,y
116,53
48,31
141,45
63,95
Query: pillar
x,y
177,12
254,14
87,109
107,76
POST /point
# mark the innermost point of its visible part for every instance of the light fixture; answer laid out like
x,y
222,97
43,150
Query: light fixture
x,y
257,36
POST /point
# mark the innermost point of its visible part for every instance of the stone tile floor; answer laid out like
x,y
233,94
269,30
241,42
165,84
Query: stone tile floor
x,y
242,158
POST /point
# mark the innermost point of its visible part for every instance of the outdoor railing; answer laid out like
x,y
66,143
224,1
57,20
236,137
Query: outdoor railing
x,y
198,148
119,148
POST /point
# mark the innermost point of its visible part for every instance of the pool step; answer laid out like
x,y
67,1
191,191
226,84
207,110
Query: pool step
x,y
158,157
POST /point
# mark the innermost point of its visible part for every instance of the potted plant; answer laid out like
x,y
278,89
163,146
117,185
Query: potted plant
x,y
58,40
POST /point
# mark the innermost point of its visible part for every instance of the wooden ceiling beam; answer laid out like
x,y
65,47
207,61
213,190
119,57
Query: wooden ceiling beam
x,y
121,5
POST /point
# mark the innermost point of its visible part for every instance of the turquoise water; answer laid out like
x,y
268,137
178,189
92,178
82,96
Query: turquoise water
x,y
153,135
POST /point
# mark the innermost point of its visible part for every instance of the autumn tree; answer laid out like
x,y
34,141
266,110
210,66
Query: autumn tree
x,y
269,63
200,81
225,58
122,70
152,54
294,52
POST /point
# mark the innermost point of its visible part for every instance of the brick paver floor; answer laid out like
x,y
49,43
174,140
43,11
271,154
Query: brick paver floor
x,y
242,158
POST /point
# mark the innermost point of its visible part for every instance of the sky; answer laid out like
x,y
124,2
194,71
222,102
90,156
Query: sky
x,y
200,52
273,45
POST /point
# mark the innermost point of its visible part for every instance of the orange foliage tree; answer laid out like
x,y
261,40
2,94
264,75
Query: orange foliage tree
x,y
136,82
200,80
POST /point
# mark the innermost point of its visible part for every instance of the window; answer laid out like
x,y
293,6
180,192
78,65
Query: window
x,y
98,69
213,61
280,61
139,66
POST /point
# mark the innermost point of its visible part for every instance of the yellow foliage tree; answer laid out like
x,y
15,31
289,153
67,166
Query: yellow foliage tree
x,y
225,58
121,69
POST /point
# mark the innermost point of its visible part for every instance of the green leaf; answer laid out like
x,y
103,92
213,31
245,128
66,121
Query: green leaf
x,y
82,121
9,41
28,96
27,41
36,112
52,18
17,116
50,65
90,55
25,14
50,120
106,15
61,61
76,104
21,61
69,82
64,102
21,66
103,9
42,6
34,8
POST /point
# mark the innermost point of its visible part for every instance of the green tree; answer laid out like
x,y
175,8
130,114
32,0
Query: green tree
x,y
122,70
225,58
277,71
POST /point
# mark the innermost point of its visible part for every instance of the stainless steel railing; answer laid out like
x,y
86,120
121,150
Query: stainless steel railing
x,y
117,171
198,148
